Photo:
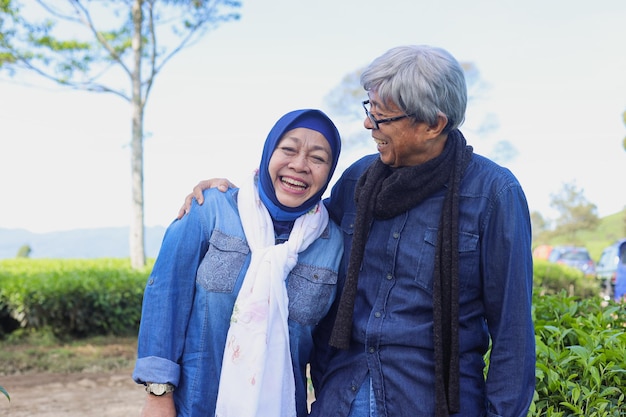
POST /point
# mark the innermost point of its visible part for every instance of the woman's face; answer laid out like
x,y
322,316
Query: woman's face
x,y
299,166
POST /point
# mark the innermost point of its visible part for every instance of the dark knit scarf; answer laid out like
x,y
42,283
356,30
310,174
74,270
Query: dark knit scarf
x,y
383,193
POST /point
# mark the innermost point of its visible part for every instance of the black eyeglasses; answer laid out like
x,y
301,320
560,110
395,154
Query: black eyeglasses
x,y
375,122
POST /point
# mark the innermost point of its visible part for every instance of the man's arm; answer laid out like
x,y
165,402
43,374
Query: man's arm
x,y
221,184
508,268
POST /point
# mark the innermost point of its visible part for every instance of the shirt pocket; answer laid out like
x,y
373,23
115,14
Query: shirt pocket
x,y
222,264
347,223
311,291
468,259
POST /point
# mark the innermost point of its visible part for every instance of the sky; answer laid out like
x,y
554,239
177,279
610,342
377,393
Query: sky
x,y
555,72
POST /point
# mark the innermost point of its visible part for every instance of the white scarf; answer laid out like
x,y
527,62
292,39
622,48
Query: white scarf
x,y
257,377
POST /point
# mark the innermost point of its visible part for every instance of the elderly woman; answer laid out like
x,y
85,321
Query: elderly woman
x,y
240,283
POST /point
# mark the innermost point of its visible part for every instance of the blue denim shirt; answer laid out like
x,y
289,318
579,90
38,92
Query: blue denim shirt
x,y
190,295
392,336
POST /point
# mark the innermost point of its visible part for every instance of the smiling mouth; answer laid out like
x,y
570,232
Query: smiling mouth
x,y
380,141
294,184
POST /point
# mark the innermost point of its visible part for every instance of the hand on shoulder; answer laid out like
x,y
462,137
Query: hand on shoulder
x,y
221,184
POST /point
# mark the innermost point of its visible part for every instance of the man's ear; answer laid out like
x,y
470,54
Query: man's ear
x,y
437,128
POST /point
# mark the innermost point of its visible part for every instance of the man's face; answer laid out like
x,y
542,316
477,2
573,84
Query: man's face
x,y
403,142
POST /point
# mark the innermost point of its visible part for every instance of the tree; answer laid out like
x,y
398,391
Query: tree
x,y
576,213
113,46
24,251
540,227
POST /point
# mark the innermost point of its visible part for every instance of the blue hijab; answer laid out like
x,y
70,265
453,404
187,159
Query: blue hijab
x,y
310,119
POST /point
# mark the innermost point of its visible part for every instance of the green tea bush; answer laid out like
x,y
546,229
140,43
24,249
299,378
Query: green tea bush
x,y
581,357
72,297
552,278
581,339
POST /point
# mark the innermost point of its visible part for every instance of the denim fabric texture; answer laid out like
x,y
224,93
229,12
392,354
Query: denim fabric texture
x,y
364,405
190,295
392,335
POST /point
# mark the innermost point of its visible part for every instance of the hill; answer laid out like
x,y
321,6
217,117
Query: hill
x,y
610,229
79,243
113,242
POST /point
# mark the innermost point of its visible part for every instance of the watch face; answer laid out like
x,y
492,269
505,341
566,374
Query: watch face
x,y
158,389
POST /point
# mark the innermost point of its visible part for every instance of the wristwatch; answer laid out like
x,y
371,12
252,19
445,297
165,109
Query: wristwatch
x,y
158,389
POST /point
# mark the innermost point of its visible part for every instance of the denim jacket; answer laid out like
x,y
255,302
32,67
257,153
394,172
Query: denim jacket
x,y
191,291
392,335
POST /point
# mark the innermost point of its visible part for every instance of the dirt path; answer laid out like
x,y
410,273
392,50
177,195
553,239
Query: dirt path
x,y
72,395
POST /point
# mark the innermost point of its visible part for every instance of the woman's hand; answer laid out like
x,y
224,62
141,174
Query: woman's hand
x,y
221,184
162,406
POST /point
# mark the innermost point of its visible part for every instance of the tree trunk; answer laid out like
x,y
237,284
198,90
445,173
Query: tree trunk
x,y
137,240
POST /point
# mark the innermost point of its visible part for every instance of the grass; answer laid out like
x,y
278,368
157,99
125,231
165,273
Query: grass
x,y
42,352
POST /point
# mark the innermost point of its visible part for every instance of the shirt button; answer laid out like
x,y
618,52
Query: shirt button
x,y
377,314
353,388
389,276
372,349
396,235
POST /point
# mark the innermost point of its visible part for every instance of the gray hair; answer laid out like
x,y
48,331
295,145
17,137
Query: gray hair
x,y
424,81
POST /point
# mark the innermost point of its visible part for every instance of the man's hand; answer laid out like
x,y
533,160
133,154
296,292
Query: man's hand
x,y
221,184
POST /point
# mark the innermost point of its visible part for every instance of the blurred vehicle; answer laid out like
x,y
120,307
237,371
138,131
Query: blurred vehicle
x,y
610,268
574,256
542,252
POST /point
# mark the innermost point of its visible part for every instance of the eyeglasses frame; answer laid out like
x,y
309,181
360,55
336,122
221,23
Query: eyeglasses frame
x,y
376,122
